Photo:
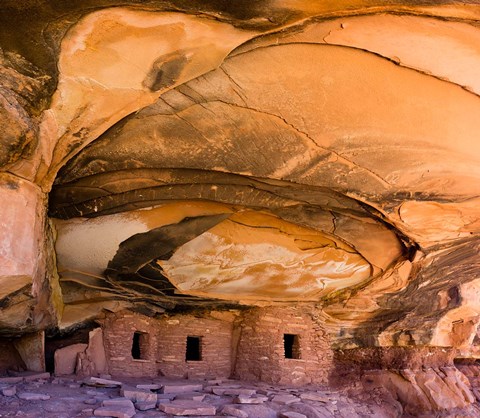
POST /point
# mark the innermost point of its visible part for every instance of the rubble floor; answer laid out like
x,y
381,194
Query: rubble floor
x,y
71,397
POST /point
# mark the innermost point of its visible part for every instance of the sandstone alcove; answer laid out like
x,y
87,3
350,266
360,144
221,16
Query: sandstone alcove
x,y
284,193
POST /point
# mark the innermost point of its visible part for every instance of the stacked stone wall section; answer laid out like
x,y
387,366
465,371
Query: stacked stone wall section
x,y
261,351
256,353
215,347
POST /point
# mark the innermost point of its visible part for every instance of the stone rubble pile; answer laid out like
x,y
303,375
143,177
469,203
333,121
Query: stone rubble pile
x,y
38,395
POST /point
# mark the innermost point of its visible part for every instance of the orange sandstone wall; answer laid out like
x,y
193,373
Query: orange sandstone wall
x,y
9,357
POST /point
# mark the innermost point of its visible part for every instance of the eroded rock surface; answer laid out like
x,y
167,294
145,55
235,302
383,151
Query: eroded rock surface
x,y
180,158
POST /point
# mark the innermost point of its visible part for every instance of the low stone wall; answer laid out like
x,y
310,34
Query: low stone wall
x,y
163,345
215,347
119,330
261,349
257,352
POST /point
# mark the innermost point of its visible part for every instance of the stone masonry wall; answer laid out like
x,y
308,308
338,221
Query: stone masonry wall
x,y
118,334
249,346
163,346
216,347
261,355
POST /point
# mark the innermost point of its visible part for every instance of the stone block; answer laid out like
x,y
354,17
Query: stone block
x,y
29,396
166,396
117,402
138,395
10,380
285,399
234,411
258,411
183,408
308,410
215,382
97,382
181,388
93,360
239,391
149,386
291,414
191,396
145,406
31,376
31,348
314,396
66,358
115,411
9,391
217,390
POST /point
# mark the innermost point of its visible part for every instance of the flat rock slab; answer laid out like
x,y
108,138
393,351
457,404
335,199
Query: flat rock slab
x,y
238,391
149,386
234,411
116,411
183,408
181,388
138,395
285,399
250,400
315,396
216,390
145,406
267,392
118,402
29,376
258,411
190,396
29,396
309,410
66,358
215,382
291,414
104,383
11,380
10,391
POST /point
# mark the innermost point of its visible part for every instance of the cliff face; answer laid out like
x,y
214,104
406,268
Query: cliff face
x,y
170,156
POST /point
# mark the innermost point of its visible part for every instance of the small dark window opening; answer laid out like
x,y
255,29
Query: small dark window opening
x,y
193,352
139,345
291,345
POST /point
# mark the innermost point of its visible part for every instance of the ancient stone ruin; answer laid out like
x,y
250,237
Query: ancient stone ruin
x,y
245,209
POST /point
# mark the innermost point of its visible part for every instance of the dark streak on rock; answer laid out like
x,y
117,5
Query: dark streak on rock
x,y
166,70
159,243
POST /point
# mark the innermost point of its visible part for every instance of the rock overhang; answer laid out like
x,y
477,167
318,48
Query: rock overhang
x,y
320,124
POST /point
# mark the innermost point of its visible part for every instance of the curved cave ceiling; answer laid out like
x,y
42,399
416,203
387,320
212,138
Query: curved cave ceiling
x,y
300,152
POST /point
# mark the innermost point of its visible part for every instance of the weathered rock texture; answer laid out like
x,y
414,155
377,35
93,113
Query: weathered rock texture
x,y
169,158
261,351
163,350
